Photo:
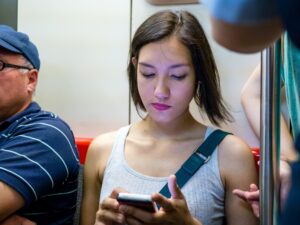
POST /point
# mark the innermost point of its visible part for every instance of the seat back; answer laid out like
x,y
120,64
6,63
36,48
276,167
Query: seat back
x,y
256,154
76,218
82,146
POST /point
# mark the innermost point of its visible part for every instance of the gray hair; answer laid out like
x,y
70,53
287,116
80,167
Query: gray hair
x,y
27,64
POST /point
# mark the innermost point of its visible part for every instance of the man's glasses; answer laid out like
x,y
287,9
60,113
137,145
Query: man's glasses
x,y
4,65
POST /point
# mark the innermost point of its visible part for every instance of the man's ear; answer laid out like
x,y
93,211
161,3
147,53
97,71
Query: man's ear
x,y
134,61
32,80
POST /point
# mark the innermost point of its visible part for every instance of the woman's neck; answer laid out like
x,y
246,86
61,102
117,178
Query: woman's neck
x,y
182,128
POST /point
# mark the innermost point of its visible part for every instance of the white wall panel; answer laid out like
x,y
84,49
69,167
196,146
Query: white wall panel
x,y
83,47
234,68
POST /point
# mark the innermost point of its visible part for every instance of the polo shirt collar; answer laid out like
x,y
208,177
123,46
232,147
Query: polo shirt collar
x,y
32,108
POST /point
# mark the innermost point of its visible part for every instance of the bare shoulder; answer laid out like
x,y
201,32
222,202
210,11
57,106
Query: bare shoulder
x,y
234,147
101,146
237,169
94,167
103,142
236,159
98,154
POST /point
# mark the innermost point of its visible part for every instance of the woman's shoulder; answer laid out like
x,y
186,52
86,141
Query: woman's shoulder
x,y
234,147
235,157
100,148
103,142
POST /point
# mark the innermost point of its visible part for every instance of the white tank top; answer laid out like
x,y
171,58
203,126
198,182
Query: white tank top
x,y
204,191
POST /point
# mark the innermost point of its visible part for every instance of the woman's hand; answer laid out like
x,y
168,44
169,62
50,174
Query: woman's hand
x,y
172,211
108,212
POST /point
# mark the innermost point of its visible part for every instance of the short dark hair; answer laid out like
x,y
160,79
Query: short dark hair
x,y
187,29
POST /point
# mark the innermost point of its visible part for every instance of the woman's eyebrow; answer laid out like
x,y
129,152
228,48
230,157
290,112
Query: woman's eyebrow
x,y
146,64
171,67
179,65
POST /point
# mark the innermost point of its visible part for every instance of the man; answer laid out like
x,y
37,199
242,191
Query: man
x,y
38,157
264,22
250,99
253,25
249,26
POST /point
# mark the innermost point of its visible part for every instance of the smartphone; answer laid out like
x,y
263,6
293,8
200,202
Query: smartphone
x,y
140,201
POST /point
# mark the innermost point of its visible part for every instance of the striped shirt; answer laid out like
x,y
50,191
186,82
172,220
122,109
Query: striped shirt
x,y
39,159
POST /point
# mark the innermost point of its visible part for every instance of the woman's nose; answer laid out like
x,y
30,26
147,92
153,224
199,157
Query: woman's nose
x,y
162,90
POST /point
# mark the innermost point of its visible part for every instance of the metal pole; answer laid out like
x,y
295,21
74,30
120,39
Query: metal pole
x,y
269,139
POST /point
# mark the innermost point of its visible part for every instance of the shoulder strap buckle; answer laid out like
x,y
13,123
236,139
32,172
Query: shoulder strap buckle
x,y
204,157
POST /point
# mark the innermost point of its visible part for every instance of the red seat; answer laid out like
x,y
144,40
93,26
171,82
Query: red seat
x,y
255,152
82,146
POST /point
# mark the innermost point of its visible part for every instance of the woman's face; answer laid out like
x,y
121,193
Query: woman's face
x,y
166,79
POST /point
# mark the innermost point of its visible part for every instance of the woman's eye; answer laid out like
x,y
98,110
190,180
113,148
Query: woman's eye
x,y
178,77
148,75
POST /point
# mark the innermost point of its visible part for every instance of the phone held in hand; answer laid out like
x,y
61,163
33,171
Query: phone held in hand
x,y
140,201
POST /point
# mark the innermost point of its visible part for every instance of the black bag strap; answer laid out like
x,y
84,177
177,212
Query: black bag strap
x,y
196,160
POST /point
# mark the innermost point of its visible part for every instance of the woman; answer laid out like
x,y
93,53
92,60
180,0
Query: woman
x,y
171,64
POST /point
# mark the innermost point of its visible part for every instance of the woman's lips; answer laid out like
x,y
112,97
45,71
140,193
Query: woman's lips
x,y
160,107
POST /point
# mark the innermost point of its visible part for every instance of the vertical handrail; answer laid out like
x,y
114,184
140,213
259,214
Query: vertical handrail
x,y
269,139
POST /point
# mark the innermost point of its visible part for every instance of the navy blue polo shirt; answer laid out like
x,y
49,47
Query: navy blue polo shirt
x,y
39,159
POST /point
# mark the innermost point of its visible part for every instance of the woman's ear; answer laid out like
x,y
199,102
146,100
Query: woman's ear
x,y
134,61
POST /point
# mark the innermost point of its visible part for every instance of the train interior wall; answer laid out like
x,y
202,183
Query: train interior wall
x,y
84,47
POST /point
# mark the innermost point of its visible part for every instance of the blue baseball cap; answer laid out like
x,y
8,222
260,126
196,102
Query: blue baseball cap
x,y
18,42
